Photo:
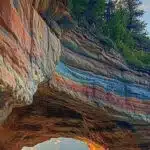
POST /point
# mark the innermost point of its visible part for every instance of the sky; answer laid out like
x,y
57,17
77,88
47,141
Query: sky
x,y
60,144
146,7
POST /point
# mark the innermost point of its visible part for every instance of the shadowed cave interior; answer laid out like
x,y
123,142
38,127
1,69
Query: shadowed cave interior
x,y
53,116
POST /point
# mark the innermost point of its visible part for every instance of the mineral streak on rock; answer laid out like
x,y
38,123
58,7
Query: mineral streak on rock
x,y
62,83
28,53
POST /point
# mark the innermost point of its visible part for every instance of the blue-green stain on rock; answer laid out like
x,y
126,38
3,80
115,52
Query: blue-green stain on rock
x,y
110,85
16,3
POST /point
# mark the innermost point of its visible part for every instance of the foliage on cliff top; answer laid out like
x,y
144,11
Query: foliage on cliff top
x,y
121,25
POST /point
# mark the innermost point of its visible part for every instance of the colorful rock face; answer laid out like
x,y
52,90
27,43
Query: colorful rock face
x,y
126,93
89,73
86,93
28,53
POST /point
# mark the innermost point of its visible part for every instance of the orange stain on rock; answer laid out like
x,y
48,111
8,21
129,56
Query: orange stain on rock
x,y
92,145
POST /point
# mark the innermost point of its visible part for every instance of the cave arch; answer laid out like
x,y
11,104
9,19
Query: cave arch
x,y
67,144
48,117
52,116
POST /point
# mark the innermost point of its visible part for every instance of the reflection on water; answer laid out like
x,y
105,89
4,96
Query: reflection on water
x,y
60,144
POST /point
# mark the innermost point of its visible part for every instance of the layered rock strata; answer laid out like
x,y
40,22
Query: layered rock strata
x,y
62,82
29,52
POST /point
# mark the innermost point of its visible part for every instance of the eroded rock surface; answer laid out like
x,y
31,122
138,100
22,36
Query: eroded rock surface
x,y
29,52
86,92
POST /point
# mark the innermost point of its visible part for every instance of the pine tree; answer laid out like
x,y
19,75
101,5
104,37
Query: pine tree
x,y
135,25
78,7
110,8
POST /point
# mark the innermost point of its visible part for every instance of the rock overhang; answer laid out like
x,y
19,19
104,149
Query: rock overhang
x,y
92,93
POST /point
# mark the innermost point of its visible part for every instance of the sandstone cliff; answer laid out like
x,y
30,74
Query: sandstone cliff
x,y
59,81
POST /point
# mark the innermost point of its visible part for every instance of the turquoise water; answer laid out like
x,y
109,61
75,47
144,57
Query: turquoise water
x,y
60,144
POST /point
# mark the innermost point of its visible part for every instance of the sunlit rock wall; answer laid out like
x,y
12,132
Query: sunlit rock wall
x,y
102,78
29,51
